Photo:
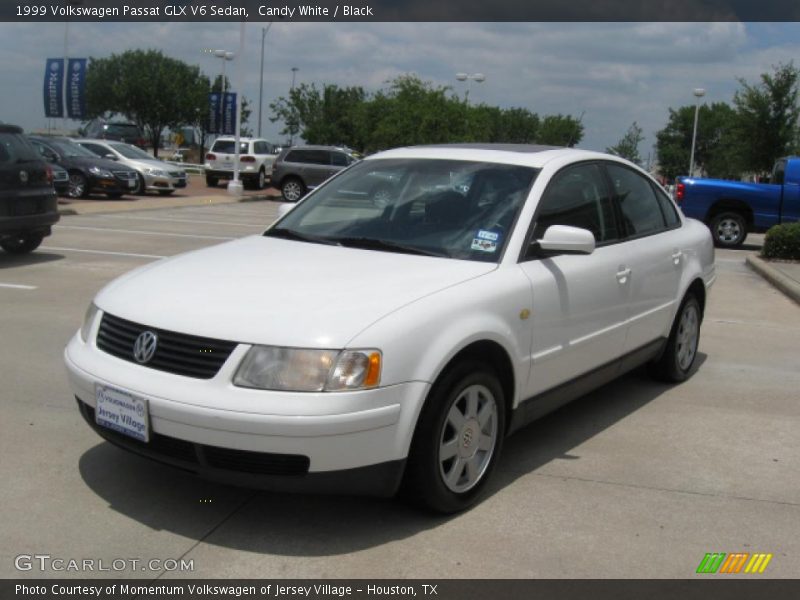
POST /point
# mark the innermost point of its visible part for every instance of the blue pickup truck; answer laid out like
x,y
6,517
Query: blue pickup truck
x,y
732,209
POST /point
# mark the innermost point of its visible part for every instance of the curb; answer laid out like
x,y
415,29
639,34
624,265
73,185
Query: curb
x,y
785,284
102,206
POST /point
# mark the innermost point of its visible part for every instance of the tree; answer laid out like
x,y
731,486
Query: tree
x,y
628,146
152,90
767,116
560,130
717,149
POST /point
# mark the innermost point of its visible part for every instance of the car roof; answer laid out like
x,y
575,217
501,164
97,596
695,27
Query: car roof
x,y
319,147
10,128
230,138
519,154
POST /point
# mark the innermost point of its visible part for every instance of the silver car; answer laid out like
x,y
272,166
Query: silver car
x,y
155,175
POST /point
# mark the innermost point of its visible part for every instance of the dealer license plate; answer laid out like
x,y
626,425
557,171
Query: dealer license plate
x,y
131,183
123,412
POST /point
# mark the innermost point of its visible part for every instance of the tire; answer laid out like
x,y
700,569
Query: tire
x,y
452,457
728,229
21,243
141,186
211,181
261,180
675,364
78,185
165,192
292,189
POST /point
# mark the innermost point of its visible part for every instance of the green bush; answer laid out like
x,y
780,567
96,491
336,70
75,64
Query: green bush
x,y
782,241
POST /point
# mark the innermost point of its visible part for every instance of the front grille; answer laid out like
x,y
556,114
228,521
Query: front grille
x,y
177,353
178,174
192,456
125,174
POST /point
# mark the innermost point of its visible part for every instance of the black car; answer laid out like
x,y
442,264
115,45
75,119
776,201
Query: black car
x,y
28,205
88,173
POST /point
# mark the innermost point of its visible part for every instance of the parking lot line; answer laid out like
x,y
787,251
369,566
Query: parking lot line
x,y
139,232
171,219
17,286
61,249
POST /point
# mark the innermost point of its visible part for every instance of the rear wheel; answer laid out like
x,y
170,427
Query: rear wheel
x,y
292,189
211,181
261,182
21,243
676,363
458,439
729,229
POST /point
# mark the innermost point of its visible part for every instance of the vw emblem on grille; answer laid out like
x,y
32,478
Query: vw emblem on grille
x,y
23,176
145,347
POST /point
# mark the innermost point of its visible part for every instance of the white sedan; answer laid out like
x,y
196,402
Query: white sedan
x,y
361,346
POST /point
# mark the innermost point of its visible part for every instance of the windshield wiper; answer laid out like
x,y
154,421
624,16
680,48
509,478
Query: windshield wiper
x,y
291,234
375,244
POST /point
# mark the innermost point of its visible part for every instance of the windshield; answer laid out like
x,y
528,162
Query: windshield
x,y
133,152
70,149
456,209
131,130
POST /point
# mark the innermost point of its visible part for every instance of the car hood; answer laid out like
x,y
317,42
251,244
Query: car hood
x,y
148,164
273,291
87,162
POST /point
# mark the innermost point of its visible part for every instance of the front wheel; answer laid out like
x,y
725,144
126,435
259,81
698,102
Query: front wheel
x,y
141,186
676,363
458,439
78,186
729,229
21,243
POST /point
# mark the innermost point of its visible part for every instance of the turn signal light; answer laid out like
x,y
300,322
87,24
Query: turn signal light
x,y
49,174
374,370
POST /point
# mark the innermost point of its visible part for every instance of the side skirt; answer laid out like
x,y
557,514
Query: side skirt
x,y
538,406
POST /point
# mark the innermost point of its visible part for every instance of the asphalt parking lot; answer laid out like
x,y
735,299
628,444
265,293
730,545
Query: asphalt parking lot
x,y
637,479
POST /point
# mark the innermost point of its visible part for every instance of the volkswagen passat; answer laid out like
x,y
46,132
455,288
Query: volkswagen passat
x,y
364,346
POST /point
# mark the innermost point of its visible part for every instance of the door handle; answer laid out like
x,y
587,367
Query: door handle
x,y
622,276
676,257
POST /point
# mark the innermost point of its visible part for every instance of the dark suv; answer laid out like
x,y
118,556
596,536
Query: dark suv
x,y
28,205
302,168
119,131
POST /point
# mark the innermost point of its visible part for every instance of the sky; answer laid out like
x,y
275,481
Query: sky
x,y
610,73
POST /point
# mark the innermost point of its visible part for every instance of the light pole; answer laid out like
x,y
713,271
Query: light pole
x,y
469,77
225,56
698,93
235,187
291,89
264,31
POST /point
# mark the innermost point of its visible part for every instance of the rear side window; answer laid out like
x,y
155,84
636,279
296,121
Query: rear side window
x,y
637,200
97,149
667,208
14,148
312,157
339,159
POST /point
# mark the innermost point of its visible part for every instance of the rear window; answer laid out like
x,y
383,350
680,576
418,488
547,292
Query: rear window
x,y
229,147
121,129
15,148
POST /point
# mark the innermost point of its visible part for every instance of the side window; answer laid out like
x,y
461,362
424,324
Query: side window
x,y
667,208
578,196
260,148
99,150
339,159
637,200
296,156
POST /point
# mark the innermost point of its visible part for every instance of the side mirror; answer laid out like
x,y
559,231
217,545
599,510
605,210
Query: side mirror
x,y
564,239
110,156
284,209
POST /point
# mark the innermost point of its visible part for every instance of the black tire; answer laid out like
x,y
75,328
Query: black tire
x,y
728,229
212,181
165,192
22,243
450,484
292,189
261,179
78,185
675,364
141,186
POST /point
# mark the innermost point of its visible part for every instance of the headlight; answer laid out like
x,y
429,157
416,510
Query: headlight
x,y
308,370
156,173
88,321
101,172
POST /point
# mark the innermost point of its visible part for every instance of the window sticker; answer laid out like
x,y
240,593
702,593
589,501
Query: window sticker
x,y
484,245
492,236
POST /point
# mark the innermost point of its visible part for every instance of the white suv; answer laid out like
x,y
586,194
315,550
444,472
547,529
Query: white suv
x,y
402,340
255,161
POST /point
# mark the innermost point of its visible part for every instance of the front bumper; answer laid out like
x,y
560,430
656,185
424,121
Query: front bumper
x,y
245,173
104,185
361,438
153,183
